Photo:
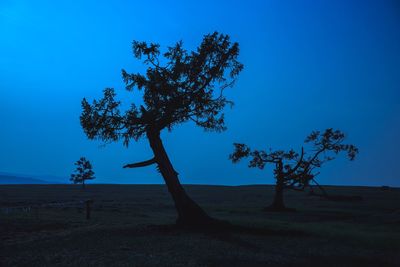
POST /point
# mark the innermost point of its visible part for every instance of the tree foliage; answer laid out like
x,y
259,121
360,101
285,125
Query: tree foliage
x,y
189,86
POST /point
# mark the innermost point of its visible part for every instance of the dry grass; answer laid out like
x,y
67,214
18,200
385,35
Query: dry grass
x,y
132,225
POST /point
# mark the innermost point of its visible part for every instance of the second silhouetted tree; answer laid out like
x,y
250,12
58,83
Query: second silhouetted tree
x,y
178,86
294,170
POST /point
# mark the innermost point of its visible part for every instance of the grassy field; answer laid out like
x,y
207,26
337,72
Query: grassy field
x,y
132,225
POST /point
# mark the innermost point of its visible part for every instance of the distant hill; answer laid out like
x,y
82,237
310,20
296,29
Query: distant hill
x,y
6,179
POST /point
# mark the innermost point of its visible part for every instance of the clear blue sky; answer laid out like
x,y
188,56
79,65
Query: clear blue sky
x,y
308,65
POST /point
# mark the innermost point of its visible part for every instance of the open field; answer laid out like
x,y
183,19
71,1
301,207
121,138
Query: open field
x,y
132,225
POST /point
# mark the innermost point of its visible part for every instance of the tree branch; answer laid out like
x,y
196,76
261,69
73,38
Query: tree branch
x,y
325,194
141,164
299,162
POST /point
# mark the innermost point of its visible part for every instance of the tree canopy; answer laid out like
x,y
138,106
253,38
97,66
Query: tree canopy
x,y
189,86
297,169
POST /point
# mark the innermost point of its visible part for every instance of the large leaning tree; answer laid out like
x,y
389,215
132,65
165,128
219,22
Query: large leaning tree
x,y
178,86
293,170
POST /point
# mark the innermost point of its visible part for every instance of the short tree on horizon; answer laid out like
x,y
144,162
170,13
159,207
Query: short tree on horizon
x,y
294,170
179,86
83,172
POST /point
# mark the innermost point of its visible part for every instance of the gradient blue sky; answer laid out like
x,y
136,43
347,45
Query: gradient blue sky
x,y
308,65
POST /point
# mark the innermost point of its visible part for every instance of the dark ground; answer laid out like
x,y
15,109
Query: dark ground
x,y
132,225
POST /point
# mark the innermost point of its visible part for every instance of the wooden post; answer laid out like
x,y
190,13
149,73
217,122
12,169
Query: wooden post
x,y
88,208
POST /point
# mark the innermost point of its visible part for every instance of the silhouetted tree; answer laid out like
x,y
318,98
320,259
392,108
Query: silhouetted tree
x,y
296,170
83,172
182,86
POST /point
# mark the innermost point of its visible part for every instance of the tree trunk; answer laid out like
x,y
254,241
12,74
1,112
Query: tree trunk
x,y
83,184
189,212
278,203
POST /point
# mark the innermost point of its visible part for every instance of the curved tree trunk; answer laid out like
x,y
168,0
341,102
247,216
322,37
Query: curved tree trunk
x,y
189,212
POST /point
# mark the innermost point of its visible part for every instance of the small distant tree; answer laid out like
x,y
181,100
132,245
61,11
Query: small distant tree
x,y
179,86
293,170
83,172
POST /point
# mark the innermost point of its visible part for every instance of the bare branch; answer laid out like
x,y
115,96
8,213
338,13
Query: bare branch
x,y
141,164
299,162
